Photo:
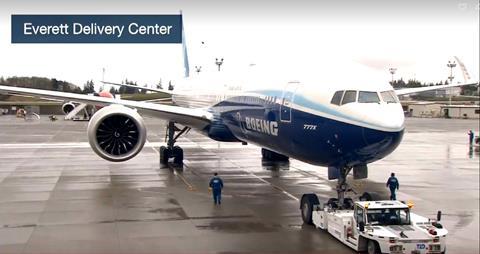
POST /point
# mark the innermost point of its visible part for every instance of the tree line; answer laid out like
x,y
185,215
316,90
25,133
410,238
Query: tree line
x,y
64,86
41,83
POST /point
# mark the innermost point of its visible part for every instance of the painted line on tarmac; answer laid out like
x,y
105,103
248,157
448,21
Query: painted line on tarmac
x,y
188,184
276,187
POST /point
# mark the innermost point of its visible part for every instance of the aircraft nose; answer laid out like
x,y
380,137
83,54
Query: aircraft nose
x,y
390,118
394,118
380,143
384,117
386,132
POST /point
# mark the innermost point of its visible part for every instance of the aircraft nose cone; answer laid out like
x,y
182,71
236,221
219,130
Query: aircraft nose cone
x,y
380,143
391,118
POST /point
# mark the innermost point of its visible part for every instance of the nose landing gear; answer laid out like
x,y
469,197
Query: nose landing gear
x,y
342,186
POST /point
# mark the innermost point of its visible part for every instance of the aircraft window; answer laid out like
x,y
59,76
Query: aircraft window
x,y
394,95
389,97
350,96
337,98
368,97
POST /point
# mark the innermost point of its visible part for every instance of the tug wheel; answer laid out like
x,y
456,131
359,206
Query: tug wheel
x,y
372,247
306,206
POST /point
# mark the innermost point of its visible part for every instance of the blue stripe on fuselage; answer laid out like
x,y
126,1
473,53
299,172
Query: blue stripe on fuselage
x,y
331,143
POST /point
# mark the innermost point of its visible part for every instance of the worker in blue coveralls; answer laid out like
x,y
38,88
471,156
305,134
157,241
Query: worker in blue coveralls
x,y
216,184
393,184
471,136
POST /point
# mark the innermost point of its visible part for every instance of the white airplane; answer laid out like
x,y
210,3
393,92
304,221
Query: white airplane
x,y
341,125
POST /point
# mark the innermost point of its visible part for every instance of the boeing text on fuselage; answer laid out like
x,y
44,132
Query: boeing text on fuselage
x,y
262,126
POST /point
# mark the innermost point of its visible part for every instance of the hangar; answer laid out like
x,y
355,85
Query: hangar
x,y
461,111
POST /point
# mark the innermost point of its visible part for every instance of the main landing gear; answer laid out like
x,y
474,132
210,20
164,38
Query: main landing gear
x,y
171,150
272,156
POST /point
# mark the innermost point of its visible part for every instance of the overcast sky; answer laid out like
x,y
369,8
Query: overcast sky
x,y
313,37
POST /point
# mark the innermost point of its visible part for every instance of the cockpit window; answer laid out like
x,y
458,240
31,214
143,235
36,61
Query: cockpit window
x,y
337,97
368,97
389,97
350,96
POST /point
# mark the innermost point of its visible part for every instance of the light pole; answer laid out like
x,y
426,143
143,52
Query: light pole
x,y
451,65
392,71
198,69
218,63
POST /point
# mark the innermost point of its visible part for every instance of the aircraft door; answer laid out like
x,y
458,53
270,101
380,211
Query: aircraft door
x,y
287,100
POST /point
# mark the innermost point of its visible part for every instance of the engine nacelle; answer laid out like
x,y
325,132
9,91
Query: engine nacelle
x,y
116,133
68,107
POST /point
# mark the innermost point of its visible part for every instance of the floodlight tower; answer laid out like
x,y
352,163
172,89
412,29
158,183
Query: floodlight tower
x,y
198,69
392,71
218,63
451,65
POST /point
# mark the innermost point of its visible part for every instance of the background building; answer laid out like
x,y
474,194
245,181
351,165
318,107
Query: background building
x,y
423,109
461,111
42,108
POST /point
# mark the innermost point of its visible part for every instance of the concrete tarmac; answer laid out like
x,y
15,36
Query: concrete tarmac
x,y
57,196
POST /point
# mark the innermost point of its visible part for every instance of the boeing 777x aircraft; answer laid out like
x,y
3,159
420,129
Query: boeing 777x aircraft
x,y
342,126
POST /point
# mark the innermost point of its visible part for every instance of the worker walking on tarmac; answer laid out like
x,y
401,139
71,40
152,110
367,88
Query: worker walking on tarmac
x,y
393,184
216,185
471,136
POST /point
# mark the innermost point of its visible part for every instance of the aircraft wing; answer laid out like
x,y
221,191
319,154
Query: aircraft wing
x,y
195,118
428,88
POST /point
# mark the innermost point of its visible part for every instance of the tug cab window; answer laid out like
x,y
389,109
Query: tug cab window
x,y
389,97
359,214
388,216
368,97
337,98
350,96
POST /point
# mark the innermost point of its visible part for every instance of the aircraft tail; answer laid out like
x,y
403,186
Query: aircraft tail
x,y
184,48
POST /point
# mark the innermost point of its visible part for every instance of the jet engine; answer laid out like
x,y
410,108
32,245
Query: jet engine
x,y
116,133
68,107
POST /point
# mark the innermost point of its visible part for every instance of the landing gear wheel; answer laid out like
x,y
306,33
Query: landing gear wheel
x,y
306,206
265,156
273,156
178,155
372,247
333,203
348,203
370,196
165,154
172,151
